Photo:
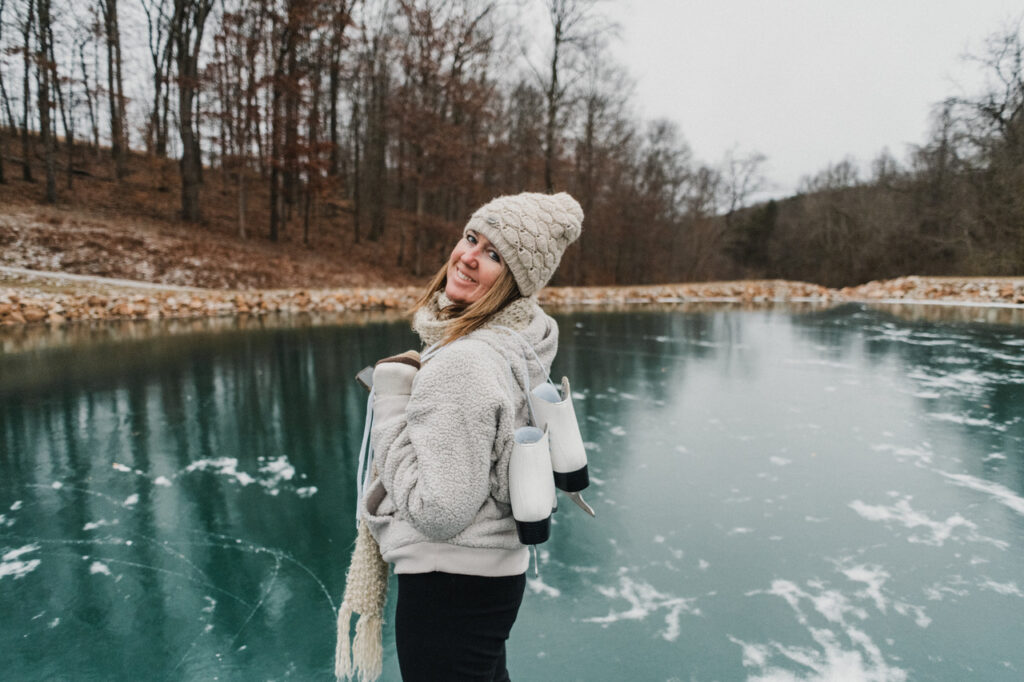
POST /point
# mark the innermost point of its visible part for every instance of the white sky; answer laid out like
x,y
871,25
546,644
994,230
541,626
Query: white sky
x,y
805,82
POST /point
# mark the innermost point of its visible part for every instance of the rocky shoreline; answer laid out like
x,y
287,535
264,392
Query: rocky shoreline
x,y
52,299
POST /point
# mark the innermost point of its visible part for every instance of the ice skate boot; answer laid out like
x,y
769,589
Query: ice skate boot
x,y
531,486
554,411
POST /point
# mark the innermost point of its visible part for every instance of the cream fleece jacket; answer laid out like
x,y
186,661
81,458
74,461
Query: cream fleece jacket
x,y
441,502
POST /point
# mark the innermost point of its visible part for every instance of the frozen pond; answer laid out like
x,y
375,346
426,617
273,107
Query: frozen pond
x,y
782,494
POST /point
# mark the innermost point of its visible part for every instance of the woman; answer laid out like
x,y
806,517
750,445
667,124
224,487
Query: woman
x,y
443,433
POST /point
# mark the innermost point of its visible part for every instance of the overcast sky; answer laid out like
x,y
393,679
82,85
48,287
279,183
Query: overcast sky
x,y
805,82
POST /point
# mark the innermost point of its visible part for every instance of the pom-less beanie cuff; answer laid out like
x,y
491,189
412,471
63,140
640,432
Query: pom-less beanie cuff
x,y
531,232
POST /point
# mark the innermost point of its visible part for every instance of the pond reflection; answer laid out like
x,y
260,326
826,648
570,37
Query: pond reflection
x,y
782,493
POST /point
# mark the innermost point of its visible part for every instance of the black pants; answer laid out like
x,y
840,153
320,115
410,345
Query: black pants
x,y
454,627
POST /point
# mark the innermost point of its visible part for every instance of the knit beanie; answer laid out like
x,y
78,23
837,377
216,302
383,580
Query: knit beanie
x,y
530,231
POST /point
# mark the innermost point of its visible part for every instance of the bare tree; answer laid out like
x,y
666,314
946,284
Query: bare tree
x,y
576,27
115,86
161,47
187,25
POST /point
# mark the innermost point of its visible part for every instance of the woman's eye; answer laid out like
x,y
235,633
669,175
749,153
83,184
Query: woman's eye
x,y
494,256
471,238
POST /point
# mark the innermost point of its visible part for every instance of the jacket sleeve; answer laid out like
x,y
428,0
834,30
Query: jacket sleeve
x,y
434,460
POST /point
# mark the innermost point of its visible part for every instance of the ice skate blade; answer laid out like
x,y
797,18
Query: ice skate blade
x,y
578,499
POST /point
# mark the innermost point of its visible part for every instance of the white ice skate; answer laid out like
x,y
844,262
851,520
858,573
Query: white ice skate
x,y
530,484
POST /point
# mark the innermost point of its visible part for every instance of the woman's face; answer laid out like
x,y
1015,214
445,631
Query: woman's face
x,y
473,268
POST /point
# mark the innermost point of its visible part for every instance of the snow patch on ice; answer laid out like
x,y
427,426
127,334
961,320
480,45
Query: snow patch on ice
x,y
921,619
93,525
225,466
643,600
98,567
540,587
934,533
857,658
874,577
11,565
618,431
780,461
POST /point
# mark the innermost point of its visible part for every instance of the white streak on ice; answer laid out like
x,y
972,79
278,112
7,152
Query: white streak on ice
x,y
1009,589
966,421
1002,494
923,453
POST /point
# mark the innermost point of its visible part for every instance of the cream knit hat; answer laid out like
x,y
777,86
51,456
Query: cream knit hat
x,y
530,231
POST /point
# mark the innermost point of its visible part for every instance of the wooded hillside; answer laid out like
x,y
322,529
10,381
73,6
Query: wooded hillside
x,y
370,129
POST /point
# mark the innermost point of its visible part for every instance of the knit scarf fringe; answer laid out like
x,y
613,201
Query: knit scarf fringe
x,y
365,593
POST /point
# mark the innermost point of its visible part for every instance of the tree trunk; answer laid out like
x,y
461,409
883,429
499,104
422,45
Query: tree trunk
x,y
115,88
44,67
275,166
66,114
89,94
7,108
187,28
356,181
377,147
26,151
241,200
552,118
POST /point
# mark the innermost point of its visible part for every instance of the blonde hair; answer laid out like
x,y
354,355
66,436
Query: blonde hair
x,y
467,318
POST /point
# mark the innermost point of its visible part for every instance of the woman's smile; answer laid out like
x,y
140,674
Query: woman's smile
x,y
473,268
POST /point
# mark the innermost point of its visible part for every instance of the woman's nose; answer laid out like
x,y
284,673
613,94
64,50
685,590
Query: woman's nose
x,y
469,256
